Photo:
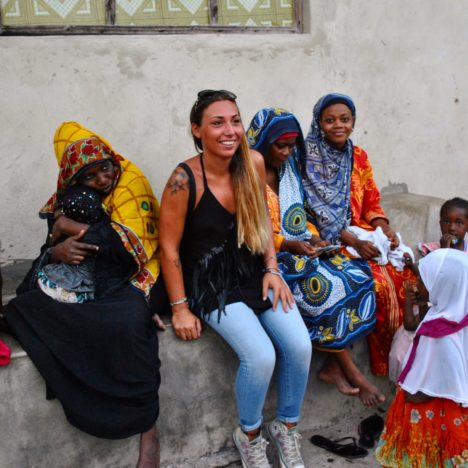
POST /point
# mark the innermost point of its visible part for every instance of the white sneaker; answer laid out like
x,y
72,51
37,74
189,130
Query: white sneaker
x,y
252,452
286,441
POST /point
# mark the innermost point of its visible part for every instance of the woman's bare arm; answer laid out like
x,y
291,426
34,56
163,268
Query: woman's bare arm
x,y
171,227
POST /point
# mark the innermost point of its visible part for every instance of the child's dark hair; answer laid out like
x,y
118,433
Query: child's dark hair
x,y
204,99
456,202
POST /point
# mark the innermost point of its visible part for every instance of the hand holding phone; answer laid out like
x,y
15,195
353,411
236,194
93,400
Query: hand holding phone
x,y
327,248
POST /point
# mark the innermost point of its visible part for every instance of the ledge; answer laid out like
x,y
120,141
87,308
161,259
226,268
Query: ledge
x,y
197,392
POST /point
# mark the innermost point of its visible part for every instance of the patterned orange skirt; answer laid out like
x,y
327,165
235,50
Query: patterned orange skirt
x,y
424,435
390,304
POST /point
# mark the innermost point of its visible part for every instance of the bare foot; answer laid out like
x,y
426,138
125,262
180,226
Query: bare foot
x,y
149,449
331,373
369,394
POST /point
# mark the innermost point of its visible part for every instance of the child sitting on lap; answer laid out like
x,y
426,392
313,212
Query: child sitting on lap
x,y
74,283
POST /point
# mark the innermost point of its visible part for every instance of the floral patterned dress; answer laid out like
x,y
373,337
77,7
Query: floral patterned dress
x,y
423,435
388,282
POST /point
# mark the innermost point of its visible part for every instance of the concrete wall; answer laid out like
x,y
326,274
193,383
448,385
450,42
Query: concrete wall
x,y
403,62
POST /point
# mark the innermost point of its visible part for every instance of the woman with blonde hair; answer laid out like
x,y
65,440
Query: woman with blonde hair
x,y
220,267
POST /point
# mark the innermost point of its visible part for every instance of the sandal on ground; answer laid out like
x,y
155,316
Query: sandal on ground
x,y
346,450
369,430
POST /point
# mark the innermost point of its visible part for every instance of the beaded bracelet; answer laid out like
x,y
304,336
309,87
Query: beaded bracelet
x,y
180,301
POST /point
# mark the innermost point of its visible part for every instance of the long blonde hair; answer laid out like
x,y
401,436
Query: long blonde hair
x,y
251,211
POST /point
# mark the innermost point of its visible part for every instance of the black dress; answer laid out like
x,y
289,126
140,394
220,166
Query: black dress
x,y
216,271
99,358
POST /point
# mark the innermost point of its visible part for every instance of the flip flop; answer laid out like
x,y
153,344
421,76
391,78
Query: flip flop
x,y
369,430
346,450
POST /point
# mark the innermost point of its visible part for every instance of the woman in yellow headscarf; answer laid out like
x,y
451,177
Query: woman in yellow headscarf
x,y
91,354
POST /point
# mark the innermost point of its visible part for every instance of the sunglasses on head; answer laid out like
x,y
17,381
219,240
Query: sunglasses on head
x,y
209,93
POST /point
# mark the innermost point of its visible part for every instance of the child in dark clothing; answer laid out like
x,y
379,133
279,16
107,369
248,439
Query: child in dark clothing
x,y
74,283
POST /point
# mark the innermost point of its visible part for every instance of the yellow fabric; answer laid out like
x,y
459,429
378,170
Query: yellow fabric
x,y
132,206
312,229
69,132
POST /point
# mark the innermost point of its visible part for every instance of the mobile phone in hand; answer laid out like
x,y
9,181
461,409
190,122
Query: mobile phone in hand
x,y
328,248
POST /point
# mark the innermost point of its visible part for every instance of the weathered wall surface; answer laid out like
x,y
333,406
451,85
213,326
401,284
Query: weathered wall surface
x,y
403,62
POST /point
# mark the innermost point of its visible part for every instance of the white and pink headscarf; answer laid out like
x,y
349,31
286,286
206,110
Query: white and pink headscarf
x,y
437,362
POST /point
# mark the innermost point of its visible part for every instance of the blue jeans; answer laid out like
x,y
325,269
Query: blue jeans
x,y
254,339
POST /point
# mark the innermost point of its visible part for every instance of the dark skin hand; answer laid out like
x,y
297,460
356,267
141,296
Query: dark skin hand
x,y
309,248
387,230
299,248
412,298
64,226
447,240
366,249
71,251
410,264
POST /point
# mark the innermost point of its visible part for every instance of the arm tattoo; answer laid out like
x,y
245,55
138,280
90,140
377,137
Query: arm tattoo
x,y
177,263
178,181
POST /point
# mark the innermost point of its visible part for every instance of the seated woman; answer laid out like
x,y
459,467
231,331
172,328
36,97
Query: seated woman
x,y
92,353
340,192
219,265
427,423
335,295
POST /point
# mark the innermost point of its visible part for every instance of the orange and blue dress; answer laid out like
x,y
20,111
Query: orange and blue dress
x,y
340,191
334,295
388,282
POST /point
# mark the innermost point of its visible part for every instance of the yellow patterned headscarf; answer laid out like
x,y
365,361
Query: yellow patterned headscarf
x,y
132,206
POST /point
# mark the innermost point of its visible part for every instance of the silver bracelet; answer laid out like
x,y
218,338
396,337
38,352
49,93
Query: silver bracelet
x,y
180,301
273,272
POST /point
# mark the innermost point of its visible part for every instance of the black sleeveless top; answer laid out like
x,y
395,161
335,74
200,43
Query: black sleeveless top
x,y
216,271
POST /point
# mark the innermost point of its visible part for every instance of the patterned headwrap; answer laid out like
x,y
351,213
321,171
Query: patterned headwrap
x,y
326,174
267,126
132,206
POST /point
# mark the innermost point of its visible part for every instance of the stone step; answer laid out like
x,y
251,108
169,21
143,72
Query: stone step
x,y
198,411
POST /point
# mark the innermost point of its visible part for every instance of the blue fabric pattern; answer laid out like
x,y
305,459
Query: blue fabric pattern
x,y
334,295
326,174
266,127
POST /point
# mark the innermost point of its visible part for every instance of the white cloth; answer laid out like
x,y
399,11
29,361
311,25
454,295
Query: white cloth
x,y
401,342
396,256
381,241
440,366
